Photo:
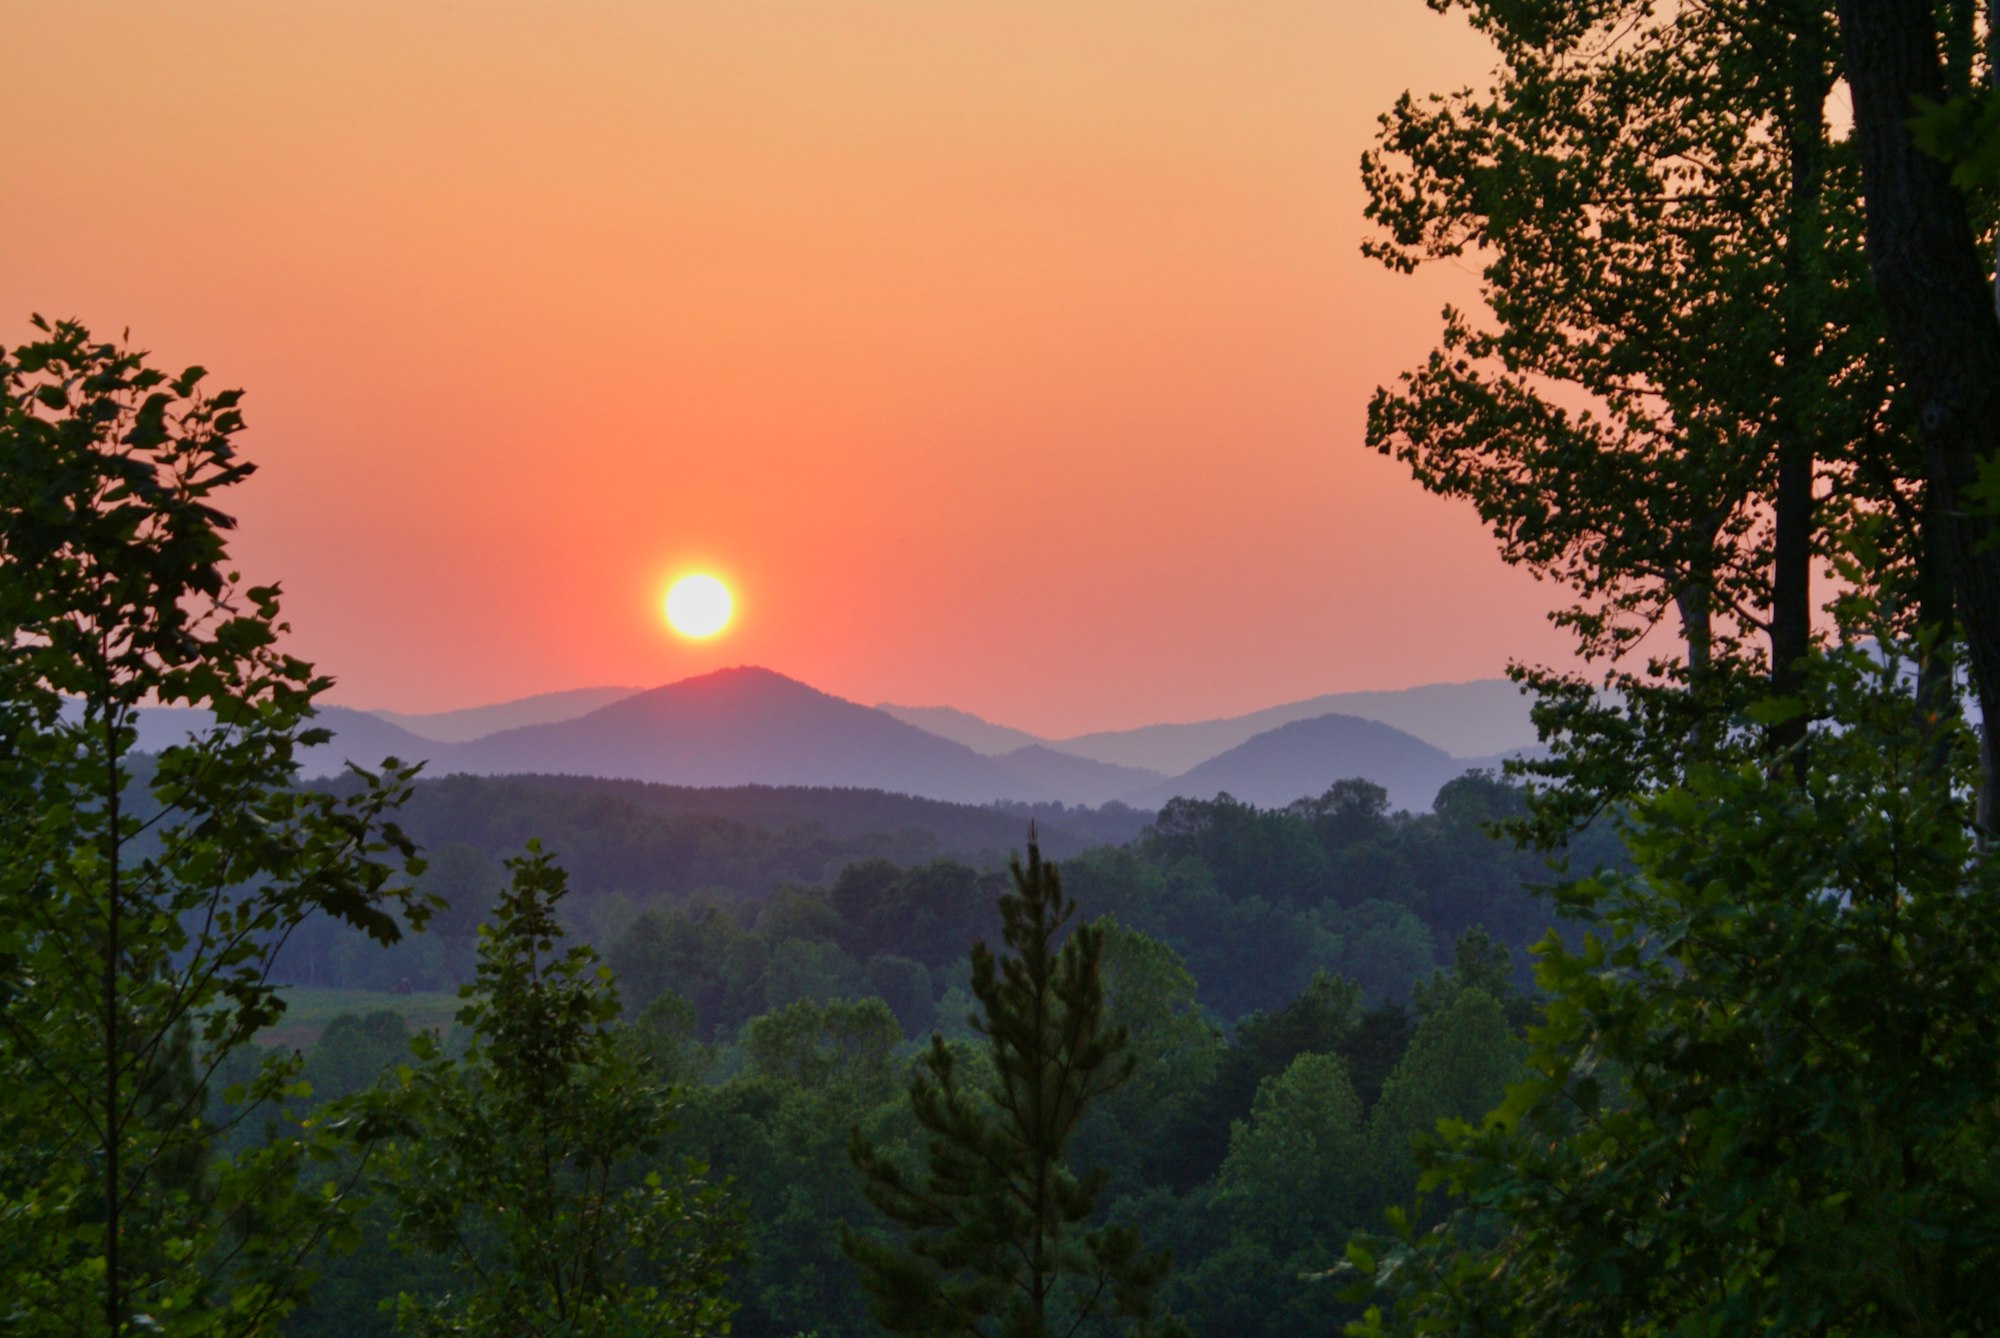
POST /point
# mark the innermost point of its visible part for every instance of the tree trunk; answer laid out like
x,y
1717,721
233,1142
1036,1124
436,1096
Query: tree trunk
x,y
1929,275
1936,689
1807,80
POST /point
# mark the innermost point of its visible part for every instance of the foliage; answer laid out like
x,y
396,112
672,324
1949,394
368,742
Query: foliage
x,y
996,1239
1680,403
1911,68
142,900
778,1130
1457,1066
1292,1171
516,1161
1175,1051
1763,1097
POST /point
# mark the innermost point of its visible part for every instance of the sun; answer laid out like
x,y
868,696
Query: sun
x,y
698,606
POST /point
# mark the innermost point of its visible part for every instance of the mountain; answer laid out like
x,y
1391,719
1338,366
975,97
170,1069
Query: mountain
x,y
744,726
358,736
1075,780
473,722
1302,758
982,736
751,726
1484,717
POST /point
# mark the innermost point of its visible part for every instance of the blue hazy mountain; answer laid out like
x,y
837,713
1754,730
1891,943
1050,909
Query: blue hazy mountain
x,y
1075,780
948,722
1303,757
358,736
750,726
1484,718
1481,718
745,726
475,722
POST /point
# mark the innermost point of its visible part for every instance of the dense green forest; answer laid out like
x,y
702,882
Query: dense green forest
x,y
1685,1028
1264,962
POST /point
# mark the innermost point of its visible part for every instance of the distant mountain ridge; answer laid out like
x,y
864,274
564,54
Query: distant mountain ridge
x,y
948,722
359,735
754,727
1077,780
1483,718
476,722
1303,757
744,726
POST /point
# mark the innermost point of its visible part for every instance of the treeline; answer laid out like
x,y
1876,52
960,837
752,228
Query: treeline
x,y
629,845
739,919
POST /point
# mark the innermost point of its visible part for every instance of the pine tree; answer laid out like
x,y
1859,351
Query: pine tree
x,y
997,1236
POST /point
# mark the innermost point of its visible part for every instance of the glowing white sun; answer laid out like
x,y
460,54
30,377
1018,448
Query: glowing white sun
x,y
698,606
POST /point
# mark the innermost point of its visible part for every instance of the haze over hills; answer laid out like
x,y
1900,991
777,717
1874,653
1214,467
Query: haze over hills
x,y
744,726
750,726
1075,780
1483,718
1304,757
476,722
360,735
1459,719
948,722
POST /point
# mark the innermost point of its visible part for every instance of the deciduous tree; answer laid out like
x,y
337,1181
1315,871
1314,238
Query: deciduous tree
x,y
520,1162
142,898
1680,399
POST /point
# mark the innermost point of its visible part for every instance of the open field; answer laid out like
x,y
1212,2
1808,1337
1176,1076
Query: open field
x,y
307,1011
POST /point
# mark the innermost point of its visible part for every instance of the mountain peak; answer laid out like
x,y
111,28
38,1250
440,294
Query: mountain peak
x,y
740,676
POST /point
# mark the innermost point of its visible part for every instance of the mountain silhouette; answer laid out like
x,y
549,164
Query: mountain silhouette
x,y
476,722
358,736
1075,780
948,722
1304,757
744,726
1484,717
751,726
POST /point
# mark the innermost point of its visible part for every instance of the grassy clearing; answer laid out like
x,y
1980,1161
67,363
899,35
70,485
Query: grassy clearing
x,y
307,1011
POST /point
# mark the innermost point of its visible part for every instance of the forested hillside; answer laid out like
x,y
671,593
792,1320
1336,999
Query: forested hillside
x,y
1303,988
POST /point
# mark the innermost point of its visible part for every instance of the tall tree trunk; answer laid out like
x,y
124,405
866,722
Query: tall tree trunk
x,y
1936,689
1929,274
1807,81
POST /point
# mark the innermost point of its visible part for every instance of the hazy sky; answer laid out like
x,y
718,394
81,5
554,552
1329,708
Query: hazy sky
x,y
1011,354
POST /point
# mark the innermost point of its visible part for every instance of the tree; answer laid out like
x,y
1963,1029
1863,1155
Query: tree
x,y
779,1131
844,1045
996,1240
1762,1093
1297,1170
1935,287
1175,1049
143,898
1457,1067
353,1052
519,1162
1762,1099
1683,401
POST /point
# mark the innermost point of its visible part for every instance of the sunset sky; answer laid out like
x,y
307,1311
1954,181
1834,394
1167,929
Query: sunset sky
x,y
1010,354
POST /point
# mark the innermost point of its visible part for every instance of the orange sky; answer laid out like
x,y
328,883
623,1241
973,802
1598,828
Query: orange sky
x,y
1011,354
